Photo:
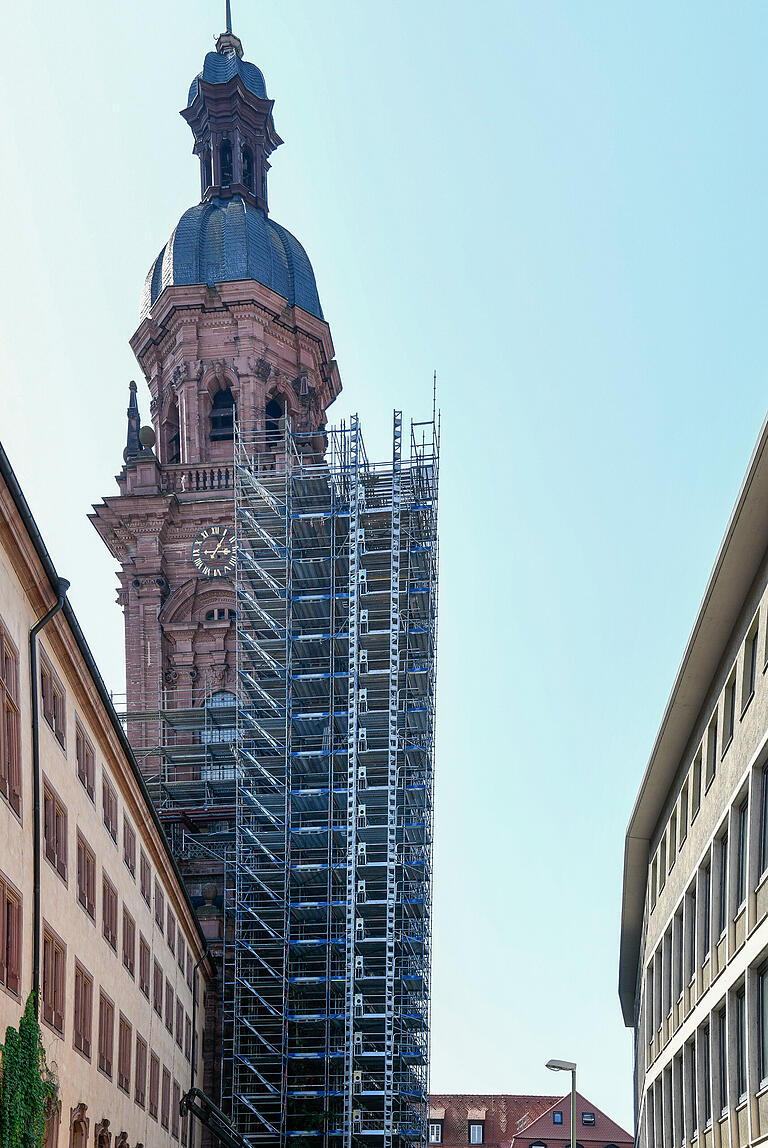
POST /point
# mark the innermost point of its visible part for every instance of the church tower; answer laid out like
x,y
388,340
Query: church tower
x,y
279,589
230,329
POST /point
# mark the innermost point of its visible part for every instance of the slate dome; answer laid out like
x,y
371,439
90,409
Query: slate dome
x,y
225,240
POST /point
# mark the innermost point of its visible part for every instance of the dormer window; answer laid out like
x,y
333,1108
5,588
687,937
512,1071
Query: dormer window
x,y
223,416
247,168
226,163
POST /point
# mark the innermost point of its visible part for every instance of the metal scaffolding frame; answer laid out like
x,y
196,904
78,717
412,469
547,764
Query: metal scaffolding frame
x,y
326,1010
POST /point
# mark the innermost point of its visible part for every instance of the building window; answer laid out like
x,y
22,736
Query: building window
x,y
109,911
693,1093
146,879
741,874
106,1033
83,1010
712,750
588,1118
722,912
144,965
691,934
86,876
169,1006
557,1118
741,1045
86,765
129,846
762,1024
247,157
55,831
750,666
188,1041
722,1059
165,1104
159,906
109,802
273,423
696,786
10,729
181,947
226,163
54,974
54,709
179,1023
175,1110
683,813
476,1131
140,1085
223,411
706,1074
672,840
124,1050
706,880
662,863
730,712
654,880
170,931
157,992
129,941
154,1085
190,970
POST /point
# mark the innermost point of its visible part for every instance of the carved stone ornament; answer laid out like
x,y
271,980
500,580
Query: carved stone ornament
x,y
122,1140
102,1137
78,1126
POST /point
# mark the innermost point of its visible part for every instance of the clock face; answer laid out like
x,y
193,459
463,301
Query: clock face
x,y
213,551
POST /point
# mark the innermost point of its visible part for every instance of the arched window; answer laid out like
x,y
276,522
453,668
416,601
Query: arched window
x,y
172,436
274,414
207,173
223,416
226,163
248,168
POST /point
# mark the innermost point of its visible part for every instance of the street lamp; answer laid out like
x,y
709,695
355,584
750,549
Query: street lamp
x,y
568,1066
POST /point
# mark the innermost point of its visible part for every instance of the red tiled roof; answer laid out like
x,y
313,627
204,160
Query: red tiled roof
x,y
522,1120
505,1116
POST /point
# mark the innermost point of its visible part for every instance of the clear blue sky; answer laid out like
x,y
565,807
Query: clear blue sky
x,y
559,205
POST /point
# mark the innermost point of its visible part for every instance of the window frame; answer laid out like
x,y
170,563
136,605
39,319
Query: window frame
x,y
141,1059
105,1062
53,700
82,1025
129,949
471,1125
109,805
86,871
109,910
10,723
129,846
55,831
53,991
11,908
124,1048
85,759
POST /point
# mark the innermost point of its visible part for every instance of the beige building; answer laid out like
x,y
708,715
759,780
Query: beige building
x,y
693,977
121,954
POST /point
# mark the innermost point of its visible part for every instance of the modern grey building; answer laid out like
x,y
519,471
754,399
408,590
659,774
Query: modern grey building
x,y
693,977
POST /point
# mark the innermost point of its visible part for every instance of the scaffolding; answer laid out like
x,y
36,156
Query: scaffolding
x,y
326,1011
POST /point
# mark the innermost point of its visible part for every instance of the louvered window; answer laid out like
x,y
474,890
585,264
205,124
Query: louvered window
x,y
109,911
55,831
140,1089
106,1034
10,936
10,737
154,1085
83,1010
129,941
144,965
86,767
86,876
54,973
124,1049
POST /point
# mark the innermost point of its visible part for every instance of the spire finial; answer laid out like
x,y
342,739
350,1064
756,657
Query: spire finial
x,y
229,17
228,41
133,442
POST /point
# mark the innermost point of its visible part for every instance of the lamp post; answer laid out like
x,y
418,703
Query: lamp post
x,y
568,1066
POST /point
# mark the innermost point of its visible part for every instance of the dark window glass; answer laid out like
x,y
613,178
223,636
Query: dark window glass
x,y
226,163
248,168
223,416
741,887
723,902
